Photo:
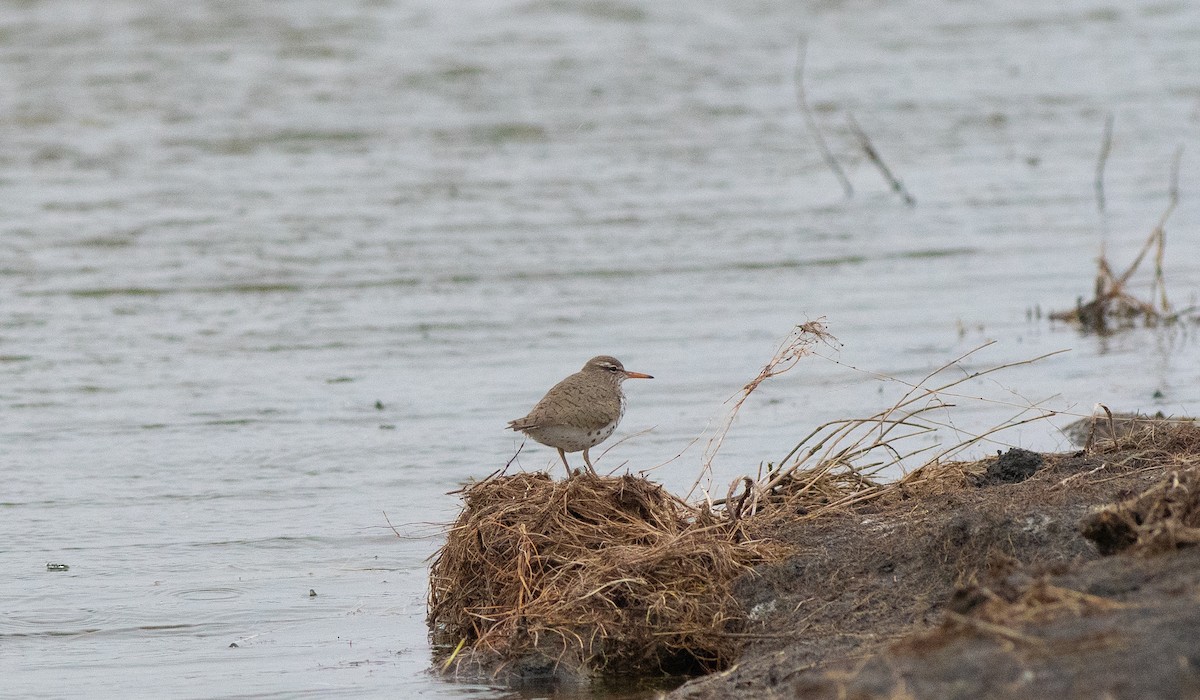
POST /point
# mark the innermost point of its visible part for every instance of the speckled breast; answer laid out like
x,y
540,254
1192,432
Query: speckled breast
x,y
571,439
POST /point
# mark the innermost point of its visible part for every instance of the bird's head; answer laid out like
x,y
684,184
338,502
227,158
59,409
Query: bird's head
x,y
613,366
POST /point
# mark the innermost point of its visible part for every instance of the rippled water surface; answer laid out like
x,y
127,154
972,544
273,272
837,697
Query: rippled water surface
x,y
275,274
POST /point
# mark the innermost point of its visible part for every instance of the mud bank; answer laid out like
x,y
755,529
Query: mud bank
x,y
1019,576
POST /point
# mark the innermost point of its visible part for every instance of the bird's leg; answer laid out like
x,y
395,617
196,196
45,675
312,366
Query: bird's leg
x,y
588,462
565,463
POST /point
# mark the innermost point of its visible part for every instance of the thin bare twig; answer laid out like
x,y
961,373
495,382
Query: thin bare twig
x,y
513,458
1101,203
1172,201
643,431
873,155
1046,413
811,122
1157,240
1156,234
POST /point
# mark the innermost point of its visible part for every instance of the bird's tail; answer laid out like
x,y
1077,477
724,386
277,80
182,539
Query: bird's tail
x,y
521,424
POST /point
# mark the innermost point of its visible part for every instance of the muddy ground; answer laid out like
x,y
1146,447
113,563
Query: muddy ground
x,y
984,585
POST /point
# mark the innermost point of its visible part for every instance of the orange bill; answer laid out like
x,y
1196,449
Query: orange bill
x,y
637,375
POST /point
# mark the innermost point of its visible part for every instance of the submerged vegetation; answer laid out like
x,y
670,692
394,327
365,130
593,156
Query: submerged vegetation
x,y
1113,306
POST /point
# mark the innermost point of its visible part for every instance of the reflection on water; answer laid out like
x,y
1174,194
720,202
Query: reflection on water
x,y
272,271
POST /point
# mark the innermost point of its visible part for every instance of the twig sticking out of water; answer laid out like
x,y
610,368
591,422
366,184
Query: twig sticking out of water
x,y
1160,233
1112,300
1101,161
873,155
811,122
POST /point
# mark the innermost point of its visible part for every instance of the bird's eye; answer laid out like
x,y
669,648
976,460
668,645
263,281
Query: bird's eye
x,y
610,368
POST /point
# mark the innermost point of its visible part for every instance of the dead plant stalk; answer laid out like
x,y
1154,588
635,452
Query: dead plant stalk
x,y
876,432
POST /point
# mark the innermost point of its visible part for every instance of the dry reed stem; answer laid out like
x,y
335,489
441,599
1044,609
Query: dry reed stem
x,y
1112,429
1101,162
992,629
835,465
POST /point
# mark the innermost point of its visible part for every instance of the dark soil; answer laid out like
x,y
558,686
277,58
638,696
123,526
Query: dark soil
x,y
985,586
1012,467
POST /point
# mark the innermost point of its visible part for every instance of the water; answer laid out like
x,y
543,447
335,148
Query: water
x,y
230,229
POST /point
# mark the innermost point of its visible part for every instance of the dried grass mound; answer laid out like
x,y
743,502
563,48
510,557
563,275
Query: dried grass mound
x,y
607,575
1014,596
1121,427
939,477
1165,516
1039,601
1175,439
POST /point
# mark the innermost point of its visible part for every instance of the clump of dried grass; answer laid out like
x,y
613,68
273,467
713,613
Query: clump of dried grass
x,y
939,476
1003,614
1105,430
1038,602
610,575
1007,606
1166,515
801,493
1014,596
1155,438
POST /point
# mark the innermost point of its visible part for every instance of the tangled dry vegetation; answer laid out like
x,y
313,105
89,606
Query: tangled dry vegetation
x,y
601,575
613,576
1165,516
838,465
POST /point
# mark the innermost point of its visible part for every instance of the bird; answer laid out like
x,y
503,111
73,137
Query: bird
x,y
581,411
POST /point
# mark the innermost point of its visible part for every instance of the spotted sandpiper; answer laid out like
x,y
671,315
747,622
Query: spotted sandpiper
x,y
581,411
